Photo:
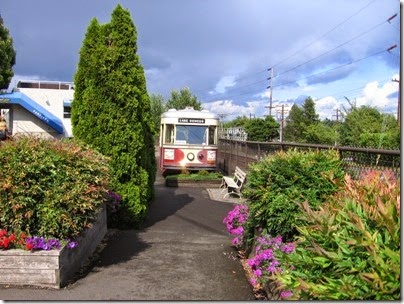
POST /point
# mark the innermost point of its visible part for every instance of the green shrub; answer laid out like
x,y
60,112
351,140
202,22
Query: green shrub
x,y
50,188
350,247
277,183
196,176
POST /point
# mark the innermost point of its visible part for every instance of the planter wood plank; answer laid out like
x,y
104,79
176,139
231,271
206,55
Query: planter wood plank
x,y
51,268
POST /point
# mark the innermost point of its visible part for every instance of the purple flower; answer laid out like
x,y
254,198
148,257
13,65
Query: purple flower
x,y
236,241
286,294
276,241
72,244
288,248
40,243
257,272
253,281
238,230
234,221
252,263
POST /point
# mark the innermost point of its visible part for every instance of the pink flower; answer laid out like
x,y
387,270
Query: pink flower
x,y
286,294
253,281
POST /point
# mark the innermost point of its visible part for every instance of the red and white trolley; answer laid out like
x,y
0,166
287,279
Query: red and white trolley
x,y
188,139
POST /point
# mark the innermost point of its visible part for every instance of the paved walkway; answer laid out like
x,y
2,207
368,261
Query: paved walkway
x,y
183,253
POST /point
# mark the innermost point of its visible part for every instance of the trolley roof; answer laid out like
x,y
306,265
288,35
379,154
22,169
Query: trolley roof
x,y
189,112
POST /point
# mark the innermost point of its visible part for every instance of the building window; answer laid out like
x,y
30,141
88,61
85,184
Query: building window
x,y
67,111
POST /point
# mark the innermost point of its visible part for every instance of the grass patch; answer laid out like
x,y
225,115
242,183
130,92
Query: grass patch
x,y
195,176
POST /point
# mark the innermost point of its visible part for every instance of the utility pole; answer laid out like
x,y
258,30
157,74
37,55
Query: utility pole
x,y
337,111
222,116
336,114
282,112
270,91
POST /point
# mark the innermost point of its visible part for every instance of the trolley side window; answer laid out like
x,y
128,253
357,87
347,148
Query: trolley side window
x,y
169,134
212,135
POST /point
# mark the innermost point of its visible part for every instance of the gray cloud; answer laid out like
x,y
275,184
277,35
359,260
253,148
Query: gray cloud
x,y
196,43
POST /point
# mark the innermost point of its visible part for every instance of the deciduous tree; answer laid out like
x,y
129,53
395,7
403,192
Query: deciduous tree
x,y
182,99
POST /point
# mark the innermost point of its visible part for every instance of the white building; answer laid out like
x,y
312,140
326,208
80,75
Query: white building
x,y
40,108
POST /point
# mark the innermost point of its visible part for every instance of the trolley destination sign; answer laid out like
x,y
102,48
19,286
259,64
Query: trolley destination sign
x,y
191,120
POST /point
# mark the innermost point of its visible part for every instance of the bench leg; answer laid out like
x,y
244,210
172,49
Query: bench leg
x,y
232,192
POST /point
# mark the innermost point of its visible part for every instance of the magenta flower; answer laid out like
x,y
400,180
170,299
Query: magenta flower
x,y
286,294
234,221
288,248
257,272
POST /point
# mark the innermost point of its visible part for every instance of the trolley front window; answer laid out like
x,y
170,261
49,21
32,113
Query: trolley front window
x,y
195,135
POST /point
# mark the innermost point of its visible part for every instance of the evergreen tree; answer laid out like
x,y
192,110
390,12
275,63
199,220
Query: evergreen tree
x,y
183,98
300,120
111,111
293,130
310,116
7,57
84,124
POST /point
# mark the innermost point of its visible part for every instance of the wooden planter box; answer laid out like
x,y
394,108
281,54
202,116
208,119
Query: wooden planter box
x,y
52,268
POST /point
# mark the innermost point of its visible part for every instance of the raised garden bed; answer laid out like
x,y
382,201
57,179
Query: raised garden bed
x,y
53,268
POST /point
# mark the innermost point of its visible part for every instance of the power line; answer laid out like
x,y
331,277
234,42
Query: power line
x,y
337,67
333,49
325,34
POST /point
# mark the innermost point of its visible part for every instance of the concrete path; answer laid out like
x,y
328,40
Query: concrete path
x,y
183,253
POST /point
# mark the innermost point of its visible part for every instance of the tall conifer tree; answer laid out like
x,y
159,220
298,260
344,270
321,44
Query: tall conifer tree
x,y
111,110
7,56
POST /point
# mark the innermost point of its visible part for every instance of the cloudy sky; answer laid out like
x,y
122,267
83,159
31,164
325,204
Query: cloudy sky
x,y
222,50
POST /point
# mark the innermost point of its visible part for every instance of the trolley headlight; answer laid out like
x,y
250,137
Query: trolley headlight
x,y
190,156
211,155
169,154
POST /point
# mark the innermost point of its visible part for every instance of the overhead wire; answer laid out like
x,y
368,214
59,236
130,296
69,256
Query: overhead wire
x,y
333,49
227,96
332,69
325,34
308,45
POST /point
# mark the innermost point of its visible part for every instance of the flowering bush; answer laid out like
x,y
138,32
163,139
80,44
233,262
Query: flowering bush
x,y
265,261
234,221
51,188
350,249
14,240
268,260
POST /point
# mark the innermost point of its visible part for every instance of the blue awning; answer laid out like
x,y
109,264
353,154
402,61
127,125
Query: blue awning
x,y
34,108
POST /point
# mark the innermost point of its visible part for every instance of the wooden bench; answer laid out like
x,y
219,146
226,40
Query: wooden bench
x,y
233,184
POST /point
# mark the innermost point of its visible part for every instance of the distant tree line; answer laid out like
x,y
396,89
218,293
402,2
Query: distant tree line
x,y
361,126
